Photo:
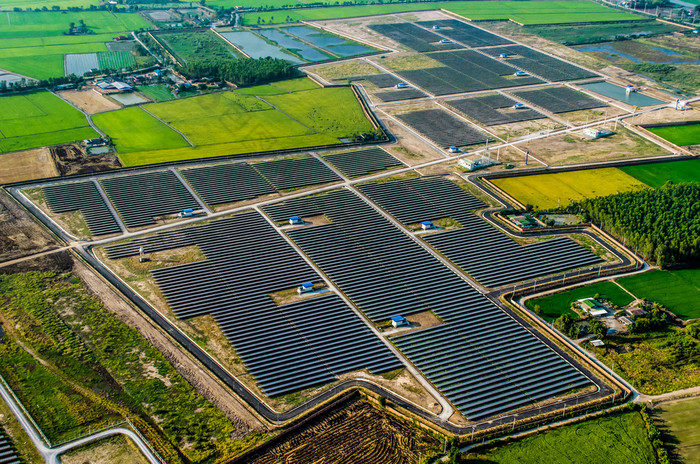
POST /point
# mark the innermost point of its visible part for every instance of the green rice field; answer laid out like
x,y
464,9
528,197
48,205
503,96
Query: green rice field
x,y
115,60
33,43
194,46
157,92
680,135
298,114
39,119
63,4
548,191
657,174
680,419
678,290
558,304
616,439
528,13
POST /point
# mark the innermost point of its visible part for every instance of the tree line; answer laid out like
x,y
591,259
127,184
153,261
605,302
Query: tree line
x,y
662,224
244,71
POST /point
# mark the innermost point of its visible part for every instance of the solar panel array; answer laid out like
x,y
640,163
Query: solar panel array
x,y
545,66
385,273
465,33
8,455
560,99
383,80
398,95
86,198
483,251
227,183
465,71
443,128
488,110
294,173
357,163
413,37
286,348
138,198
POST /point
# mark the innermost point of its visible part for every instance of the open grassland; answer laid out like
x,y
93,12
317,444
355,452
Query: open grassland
x,y
289,114
157,92
616,439
558,304
530,13
680,420
678,291
680,135
548,191
33,43
594,33
39,119
657,174
133,129
118,449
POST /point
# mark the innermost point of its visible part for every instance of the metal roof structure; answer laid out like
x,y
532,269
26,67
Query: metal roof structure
x,y
86,198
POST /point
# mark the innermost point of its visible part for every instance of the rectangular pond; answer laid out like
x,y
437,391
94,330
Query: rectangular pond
x,y
331,43
620,94
289,42
255,47
640,53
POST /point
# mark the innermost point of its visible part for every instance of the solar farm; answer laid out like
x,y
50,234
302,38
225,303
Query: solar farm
x,y
492,110
356,163
7,451
443,128
84,197
559,99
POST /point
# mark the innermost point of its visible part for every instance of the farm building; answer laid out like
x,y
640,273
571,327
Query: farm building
x,y
426,225
523,221
476,163
592,307
635,312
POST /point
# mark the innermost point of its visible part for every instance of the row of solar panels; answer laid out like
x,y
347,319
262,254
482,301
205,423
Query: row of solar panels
x,y
286,348
483,251
482,360
8,455
139,198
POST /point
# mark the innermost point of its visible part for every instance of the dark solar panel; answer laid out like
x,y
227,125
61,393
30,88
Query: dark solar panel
x,y
86,198
414,37
492,110
227,183
465,33
560,99
362,162
8,454
294,173
443,128
541,64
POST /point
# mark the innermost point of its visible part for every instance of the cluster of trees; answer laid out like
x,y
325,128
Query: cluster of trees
x,y
654,319
662,224
241,72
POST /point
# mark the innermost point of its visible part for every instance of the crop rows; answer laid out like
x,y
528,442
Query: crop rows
x,y
413,37
385,273
83,197
486,110
465,33
287,347
465,71
538,63
398,95
443,128
294,173
486,253
7,451
139,198
559,99
115,60
362,162
227,183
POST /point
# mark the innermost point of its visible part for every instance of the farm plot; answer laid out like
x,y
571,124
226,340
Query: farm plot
x,y
39,119
357,163
679,419
256,47
227,183
197,46
81,63
357,433
465,71
685,135
382,81
540,64
414,37
657,174
83,197
156,92
465,33
139,198
8,455
400,95
557,304
370,268
115,60
486,253
492,110
443,128
290,173
294,45
286,348
549,191
677,290
559,99
331,43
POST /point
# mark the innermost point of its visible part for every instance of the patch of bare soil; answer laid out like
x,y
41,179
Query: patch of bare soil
x,y
198,376
666,115
89,101
20,233
358,433
24,165
113,450
72,159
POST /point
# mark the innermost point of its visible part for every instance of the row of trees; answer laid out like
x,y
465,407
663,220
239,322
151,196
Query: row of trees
x,y
662,224
241,72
